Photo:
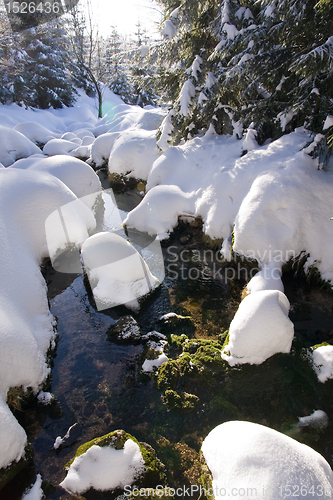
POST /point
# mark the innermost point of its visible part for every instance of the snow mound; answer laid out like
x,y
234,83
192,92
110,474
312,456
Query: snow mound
x,y
14,145
249,460
116,271
160,209
104,468
76,174
58,147
323,362
35,132
101,148
134,152
267,279
259,329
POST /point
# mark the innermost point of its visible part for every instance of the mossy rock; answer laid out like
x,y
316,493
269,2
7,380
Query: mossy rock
x,y
180,403
155,470
172,321
121,183
13,469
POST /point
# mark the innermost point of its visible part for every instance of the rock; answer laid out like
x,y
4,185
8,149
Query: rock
x,y
125,329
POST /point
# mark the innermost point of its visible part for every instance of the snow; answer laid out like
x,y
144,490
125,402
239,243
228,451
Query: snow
x,y
269,11
58,147
186,94
259,329
104,468
248,460
36,492
230,30
101,148
169,29
59,440
328,122
160,209
45,397
323,362
318,419
210,81
269,278
35,132
194,69
285,118
134,152
150,364
166,131
117,272
249,141
14,145
26,200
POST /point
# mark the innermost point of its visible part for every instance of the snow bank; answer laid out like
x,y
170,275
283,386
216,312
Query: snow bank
x,y
323,362
58,147
117,272
104,468
250,461
35,132
27,198
268,194
101,148
14,145
260,328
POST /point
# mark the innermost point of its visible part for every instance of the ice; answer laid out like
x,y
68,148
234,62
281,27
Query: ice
x,y
249,460
259,329
104,468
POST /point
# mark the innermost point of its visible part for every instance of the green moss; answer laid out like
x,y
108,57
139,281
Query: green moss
x,y
183,402
320,345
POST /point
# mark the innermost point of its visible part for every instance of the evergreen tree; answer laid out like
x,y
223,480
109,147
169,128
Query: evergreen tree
x,y
46,79
267,63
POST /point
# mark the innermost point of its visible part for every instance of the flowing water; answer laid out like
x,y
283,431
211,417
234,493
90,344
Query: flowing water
x,y
98,383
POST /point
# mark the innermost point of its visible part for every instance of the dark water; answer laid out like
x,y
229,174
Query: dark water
x,y
99,386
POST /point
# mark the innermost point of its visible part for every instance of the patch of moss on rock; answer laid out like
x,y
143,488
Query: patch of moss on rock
x,y
121,183
154,469
13,469
320,345
180,402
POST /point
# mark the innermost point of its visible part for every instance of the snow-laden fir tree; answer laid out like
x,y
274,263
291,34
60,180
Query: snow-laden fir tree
x,y
265,63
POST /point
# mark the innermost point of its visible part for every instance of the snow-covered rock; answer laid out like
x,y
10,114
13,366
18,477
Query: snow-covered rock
x,y
160,208
318,419
269,278
58,147
104,468
156,349
35,132
134,152
323,362
14,145
117,272
249,461
76,174
101,148
260,328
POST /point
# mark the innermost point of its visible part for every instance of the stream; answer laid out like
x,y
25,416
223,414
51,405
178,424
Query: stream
x,y
98,383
